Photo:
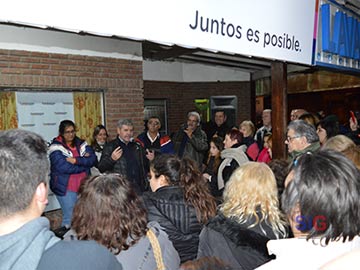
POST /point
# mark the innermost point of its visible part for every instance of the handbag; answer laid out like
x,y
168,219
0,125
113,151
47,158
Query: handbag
x,y
156,249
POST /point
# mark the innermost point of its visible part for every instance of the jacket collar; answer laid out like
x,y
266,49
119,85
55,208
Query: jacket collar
x,y
238,234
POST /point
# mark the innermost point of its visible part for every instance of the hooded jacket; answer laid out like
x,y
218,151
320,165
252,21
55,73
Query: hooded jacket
x,y
61,169
23,248
34,246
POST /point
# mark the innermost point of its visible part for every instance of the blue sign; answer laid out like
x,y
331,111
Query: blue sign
x,y
339,34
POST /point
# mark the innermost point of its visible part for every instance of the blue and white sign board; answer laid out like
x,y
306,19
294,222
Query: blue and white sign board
x,y
338,42
273,29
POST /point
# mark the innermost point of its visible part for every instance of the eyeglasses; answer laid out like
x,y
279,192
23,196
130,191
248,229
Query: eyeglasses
x,y
154,123
290,139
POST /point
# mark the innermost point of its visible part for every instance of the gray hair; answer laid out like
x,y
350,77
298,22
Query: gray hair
x,y
196,114
302,128
124,122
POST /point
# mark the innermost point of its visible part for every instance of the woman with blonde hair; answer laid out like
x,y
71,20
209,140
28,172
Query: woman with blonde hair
x,y
346,146
247,128
248,218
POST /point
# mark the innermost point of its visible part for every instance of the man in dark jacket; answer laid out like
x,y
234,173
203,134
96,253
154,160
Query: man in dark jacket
x,y
190,141
219,127
26,241
126,157
153,140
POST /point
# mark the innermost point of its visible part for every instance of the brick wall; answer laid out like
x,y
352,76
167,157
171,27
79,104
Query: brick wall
x,y
120,79
180,97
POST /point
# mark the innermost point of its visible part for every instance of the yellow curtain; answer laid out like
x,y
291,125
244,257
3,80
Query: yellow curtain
x,y
87,113
8,115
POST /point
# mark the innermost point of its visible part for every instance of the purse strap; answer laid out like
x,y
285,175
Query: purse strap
x,y
156,249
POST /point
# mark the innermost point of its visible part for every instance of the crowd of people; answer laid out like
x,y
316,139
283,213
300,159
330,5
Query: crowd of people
x,y
210,196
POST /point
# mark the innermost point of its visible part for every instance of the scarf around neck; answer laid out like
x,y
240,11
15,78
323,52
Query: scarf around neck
x,y
237,154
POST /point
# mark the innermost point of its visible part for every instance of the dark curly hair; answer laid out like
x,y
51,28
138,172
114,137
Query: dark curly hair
x,y
109,212
185,173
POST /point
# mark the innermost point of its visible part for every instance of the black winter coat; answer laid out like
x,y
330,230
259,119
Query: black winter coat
x,y
130,164
234,243
168,207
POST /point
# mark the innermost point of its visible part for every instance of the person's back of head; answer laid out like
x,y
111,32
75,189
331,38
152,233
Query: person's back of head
x,y
109,211
325,187
280,168
331,124
299,112
186,174
26,241
167,165
252,192
309,118
235,134
346,146
24,166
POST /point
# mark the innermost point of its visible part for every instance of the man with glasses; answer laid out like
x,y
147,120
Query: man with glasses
x,y
153,141
190,141
301,138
